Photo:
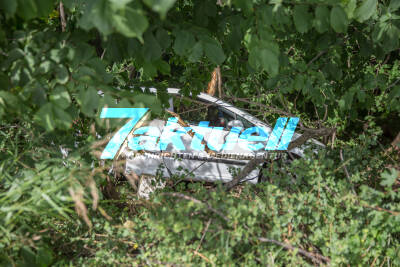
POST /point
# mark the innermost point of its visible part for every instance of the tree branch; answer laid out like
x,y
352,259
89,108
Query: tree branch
x,y
312,256
308,134
250,166
62,17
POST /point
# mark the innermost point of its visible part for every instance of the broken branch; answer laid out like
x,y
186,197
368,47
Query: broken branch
x,y
308,134
250,166
312,256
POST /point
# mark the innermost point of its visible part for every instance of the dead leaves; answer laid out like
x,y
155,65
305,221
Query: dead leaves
x,y
80,207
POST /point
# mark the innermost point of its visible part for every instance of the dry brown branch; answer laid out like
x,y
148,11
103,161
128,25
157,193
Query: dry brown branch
x,y
104,213
132,178
272,109
215,82
202,256
344,165
219,82
195,109
191,132
320,259
346,171
204,234
395,213
250,166
93,192
62,17
80,207
308,134
396,141
316,57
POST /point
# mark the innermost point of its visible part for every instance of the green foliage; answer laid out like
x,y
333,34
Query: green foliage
x,y
333,63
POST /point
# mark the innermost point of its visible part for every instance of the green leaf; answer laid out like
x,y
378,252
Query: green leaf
x,y
350,8
45,117
60,97
366,10
202,11
333,70
28,256
302,18
339,19
9,6
39,96
245,5
149,101
45,66
44,7
4,81
81,54
89,101
342,104
119,4
62,74
390,40
184,41
56,55
13,56
264,58
130,22
163,67
8,99
394,92
152,49
163,38
44,257
321,22
213,50
27,9
389,177
99,66
84,74
160,6
97,14
298,82
63,119
394,5
196,52
149,70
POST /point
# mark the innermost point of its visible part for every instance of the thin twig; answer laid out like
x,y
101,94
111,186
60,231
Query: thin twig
x,y
308,134
250,166
346,171
191,132
313,256
395,213
273,109
183,196
195,109
62,17
204,234
316,57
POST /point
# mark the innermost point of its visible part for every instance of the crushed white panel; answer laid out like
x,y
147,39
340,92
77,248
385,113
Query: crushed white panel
x,y
148,185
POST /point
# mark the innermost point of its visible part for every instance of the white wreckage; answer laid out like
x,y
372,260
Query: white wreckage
x,y
193,164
